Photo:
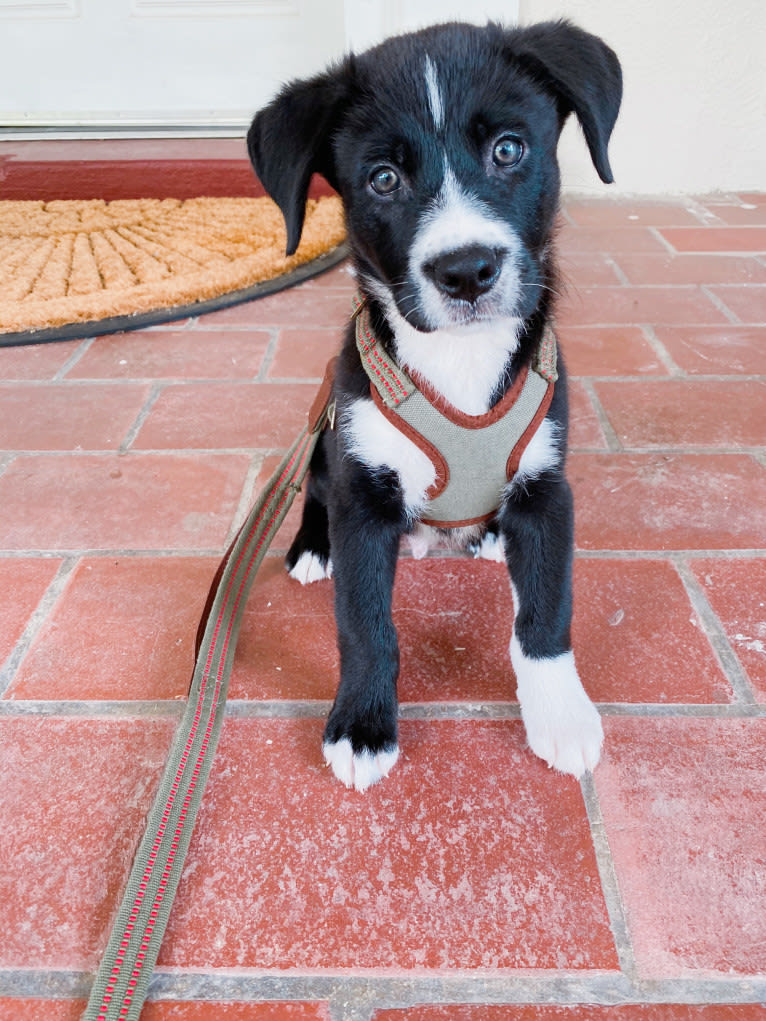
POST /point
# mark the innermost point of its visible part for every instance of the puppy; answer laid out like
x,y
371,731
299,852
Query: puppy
x,y
442,145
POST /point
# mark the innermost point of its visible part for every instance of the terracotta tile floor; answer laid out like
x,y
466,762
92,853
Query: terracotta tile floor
x,y
474,884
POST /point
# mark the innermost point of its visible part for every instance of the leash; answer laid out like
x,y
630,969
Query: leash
x,y
122,979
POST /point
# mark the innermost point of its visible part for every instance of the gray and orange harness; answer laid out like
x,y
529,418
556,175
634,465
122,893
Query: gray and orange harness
x,y
474,456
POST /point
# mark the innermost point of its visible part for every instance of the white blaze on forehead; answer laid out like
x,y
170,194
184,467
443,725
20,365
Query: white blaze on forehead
x,y
456,219
434,94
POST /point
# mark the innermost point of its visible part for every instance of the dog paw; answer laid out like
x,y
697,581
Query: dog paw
x,y
490,547
562,724
361,769
311,567
420,540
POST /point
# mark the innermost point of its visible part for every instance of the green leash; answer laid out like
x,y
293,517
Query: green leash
x,y
122,980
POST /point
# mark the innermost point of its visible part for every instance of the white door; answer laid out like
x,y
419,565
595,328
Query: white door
x,y
156,63
181,65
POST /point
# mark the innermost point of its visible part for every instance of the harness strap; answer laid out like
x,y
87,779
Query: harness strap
x,y
474,456
122,980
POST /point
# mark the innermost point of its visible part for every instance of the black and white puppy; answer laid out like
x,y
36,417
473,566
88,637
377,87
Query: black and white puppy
x,y
442,144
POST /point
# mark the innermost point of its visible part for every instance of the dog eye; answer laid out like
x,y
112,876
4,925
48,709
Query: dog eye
x,y
508,151
384,180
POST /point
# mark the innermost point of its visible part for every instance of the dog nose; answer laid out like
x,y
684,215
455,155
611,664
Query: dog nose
x,y
466,273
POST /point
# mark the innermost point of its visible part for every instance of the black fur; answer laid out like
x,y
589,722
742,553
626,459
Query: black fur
x,y
372,110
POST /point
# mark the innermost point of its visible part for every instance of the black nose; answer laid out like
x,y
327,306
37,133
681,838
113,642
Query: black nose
x,y
466,273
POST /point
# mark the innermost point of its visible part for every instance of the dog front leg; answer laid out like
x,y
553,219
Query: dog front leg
x,y
360,738
562,724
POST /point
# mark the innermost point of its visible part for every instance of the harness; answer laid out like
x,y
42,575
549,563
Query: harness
x,y
474,456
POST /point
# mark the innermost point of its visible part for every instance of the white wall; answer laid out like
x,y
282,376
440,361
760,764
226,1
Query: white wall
x,y
694,113
369,21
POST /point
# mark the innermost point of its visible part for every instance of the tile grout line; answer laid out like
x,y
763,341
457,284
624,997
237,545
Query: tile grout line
x,y
317,709
92,708
35,622
52,553
132,433
269,354
716,635
609,883
617,269
657,234
650,335
612,440
378,991
247,497
702,212
746,553
73,359
675,375
721,305
303,382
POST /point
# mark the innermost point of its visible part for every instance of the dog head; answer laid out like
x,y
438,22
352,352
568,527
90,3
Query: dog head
x,y
442,145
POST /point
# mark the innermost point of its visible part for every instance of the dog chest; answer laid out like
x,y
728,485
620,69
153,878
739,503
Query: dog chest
x,y
453,467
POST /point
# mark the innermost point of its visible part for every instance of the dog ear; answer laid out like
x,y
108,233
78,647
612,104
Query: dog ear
x,y
584,74
291,139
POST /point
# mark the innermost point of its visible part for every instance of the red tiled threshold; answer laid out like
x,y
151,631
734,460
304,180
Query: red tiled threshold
x,y
145,614
170,1010
668,501
22,585
584,1012
131,169
686,413
470,856
128,179
736,589
682,802
131,501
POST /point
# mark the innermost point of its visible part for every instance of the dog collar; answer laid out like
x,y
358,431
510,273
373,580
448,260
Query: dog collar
x,y
474,456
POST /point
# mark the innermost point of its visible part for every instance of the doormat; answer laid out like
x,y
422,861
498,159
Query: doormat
x,y
72,268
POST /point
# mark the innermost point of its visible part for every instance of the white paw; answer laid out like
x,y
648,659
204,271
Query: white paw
x,y
310,568
361,770
563,726
491,547
420,540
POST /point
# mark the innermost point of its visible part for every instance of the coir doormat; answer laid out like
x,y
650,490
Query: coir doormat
x,y
76,268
